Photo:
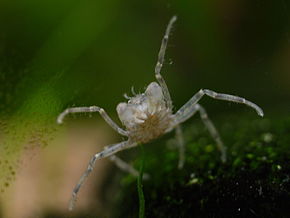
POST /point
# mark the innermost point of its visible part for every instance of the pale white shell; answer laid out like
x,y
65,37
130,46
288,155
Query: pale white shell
x,y
145,115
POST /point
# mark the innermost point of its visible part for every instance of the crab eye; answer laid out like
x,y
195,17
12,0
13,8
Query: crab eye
x,y
154,91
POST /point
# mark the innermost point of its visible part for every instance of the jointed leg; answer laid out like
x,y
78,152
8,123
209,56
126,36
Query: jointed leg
x,y
92,109
186,110
181,146
105,153
160,62
227,97
126,167
212,130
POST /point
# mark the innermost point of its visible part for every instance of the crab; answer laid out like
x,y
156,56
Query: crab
x,y
149,115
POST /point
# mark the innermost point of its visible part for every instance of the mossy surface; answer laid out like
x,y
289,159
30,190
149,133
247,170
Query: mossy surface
x,y
254,182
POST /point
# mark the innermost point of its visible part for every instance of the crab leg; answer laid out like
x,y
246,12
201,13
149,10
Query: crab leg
x,y
160,62
181,146
187,110
105,153
92,109
211,128
126,167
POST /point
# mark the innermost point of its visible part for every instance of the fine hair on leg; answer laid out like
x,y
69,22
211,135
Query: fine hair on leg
x,y
105,153
92,109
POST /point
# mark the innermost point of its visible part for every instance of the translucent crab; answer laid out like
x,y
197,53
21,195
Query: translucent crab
x,y
150,115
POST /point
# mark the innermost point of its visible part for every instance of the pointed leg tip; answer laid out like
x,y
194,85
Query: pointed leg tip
x,y
146,176
224,156
71,205
180,166
259,111
59,121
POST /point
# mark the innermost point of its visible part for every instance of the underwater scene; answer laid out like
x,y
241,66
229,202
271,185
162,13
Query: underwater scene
x,y
144,109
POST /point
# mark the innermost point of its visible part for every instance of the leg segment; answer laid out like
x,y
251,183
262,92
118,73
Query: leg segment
x,y
105,153
160,61
187,110
233,98
126,167
181,146
211,128
92,109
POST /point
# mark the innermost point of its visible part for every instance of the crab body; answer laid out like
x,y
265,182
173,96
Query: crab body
x,y
149,115
145,115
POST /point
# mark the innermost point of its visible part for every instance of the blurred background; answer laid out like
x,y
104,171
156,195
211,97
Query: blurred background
x,y
59,54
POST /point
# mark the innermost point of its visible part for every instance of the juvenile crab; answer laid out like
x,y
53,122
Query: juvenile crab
x,y
149,115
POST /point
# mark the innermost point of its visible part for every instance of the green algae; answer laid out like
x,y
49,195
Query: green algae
x,y
254,182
